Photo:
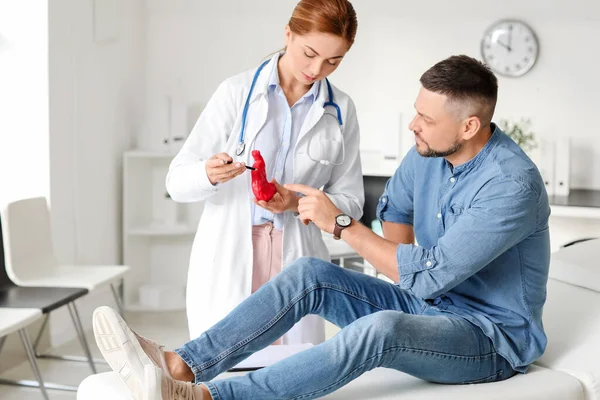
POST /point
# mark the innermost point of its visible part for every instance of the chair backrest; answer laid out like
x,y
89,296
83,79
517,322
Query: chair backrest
x,y
4,279
29,253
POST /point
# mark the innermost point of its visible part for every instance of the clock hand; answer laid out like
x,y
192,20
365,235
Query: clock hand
x,y
507,47
510,34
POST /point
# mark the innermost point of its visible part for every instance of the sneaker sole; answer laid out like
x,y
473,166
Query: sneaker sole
x,y
153,379
121,350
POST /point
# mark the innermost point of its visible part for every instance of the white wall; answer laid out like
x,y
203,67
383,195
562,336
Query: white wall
x,y
193,45
96,99
24,139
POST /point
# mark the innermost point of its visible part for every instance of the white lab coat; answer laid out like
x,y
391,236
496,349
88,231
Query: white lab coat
x,y
220,270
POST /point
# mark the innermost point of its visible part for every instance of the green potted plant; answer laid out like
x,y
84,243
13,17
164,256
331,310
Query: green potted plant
x,y
520,132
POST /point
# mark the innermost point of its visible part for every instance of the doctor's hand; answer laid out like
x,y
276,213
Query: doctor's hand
x,y
315,207
219,171
284,200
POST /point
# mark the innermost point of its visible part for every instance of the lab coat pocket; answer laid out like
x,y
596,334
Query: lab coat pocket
x,y
325,151
321,155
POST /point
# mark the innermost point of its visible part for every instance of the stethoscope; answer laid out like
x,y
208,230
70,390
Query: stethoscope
x,y
241,147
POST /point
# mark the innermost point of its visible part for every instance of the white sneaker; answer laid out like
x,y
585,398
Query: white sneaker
x,y
160,386
123,352
154,351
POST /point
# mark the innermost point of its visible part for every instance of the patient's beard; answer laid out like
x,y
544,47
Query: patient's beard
x,y
435,153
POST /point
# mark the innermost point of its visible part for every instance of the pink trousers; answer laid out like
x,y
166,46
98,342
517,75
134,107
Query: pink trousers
x,y
267,246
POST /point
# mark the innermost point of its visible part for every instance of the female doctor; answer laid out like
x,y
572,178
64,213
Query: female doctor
x,y
307,131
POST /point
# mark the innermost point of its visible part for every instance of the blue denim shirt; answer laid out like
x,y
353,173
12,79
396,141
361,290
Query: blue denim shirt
x,y
483,248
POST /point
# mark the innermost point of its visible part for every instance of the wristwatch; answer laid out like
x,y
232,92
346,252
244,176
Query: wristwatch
x,y
342,221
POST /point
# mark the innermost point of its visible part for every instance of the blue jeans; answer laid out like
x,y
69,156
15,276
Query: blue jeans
x,y
382,326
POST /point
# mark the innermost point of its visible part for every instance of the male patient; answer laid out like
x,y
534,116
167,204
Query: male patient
x,y
467,303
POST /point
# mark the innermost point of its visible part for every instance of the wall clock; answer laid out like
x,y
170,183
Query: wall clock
x,y
510,48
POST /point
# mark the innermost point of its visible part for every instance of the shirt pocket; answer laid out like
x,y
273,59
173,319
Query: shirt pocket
x,y
452,215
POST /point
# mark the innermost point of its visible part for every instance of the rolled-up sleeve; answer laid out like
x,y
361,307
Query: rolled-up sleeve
x,y
396,203
503,214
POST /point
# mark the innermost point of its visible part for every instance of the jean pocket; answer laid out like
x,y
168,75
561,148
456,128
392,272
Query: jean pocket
x,y
492,378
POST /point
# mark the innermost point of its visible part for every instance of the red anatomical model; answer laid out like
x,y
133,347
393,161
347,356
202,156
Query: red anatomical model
x,y
262,189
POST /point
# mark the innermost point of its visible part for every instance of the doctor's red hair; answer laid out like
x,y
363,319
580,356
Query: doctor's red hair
x,y
336,17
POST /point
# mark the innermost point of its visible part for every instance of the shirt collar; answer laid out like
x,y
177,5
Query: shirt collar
x,y
480,157
274,82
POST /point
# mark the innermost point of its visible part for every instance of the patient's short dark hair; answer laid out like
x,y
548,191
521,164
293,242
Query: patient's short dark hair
x,y
468,83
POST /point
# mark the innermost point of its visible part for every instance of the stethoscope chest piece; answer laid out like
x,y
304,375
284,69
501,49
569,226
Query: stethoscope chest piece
x,y
241,147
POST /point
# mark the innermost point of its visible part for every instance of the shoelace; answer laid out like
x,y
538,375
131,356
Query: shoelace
x,y
179,390
159,358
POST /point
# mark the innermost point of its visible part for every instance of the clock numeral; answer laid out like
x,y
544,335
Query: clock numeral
x,y
507,69
530,49
518,66
527,38
526,60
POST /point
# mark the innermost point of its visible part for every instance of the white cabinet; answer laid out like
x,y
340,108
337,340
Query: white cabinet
x,y
157,234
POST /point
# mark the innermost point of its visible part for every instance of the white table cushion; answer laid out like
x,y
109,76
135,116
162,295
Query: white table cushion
x,y
578,264
572,324
13,319
387,384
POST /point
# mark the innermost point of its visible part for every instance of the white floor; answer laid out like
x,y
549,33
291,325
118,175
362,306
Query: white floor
x,y
169,329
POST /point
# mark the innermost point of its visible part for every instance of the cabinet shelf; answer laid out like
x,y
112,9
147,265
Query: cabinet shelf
x,y
150,154
158,233
157,230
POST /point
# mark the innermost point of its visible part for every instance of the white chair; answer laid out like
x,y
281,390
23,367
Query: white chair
x,y
31,262
16,320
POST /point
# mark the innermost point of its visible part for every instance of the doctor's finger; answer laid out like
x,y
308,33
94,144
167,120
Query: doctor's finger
x,y
215,162
223,156
229,169
228,174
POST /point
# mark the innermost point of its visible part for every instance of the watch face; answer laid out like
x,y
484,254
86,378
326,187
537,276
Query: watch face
x,y
343,220
510,48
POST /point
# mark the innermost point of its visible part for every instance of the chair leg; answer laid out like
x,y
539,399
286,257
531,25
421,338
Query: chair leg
x,y
118,300
43,386
57,357
40,333
81,333
34,365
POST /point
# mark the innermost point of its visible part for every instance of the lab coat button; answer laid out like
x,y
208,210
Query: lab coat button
x,y
452,179
428,263
439,215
